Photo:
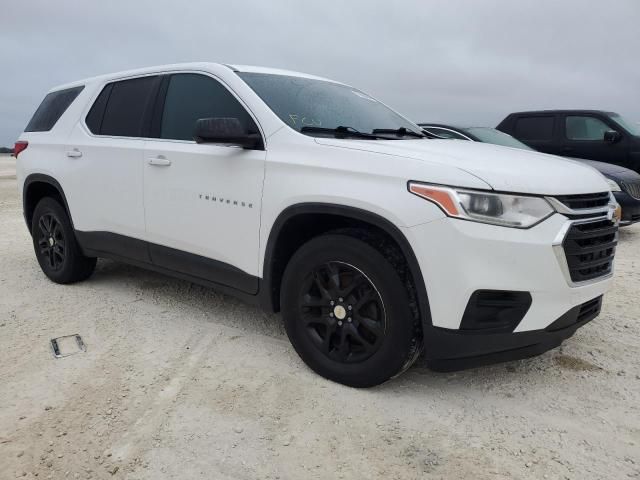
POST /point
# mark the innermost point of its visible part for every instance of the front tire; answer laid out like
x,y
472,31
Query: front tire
x,y
346,312
55,244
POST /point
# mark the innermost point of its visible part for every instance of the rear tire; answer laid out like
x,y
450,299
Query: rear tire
x,y
346,312
55,244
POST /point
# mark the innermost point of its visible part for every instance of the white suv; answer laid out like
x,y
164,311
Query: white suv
x,y
309,196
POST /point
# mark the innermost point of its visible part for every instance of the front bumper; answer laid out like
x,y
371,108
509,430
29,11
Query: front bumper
x,y
455,349
458,258
630,208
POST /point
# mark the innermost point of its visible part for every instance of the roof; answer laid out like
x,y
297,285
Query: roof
x,y
559,111
276,71
187,66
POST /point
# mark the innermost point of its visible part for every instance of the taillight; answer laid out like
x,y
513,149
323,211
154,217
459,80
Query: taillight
x,y
19,147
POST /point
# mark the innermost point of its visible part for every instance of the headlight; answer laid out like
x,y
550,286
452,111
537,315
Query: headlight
x,y
613,185
503,209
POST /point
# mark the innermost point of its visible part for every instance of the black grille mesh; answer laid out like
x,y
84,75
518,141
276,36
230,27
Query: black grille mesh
x,y
589,200
590,248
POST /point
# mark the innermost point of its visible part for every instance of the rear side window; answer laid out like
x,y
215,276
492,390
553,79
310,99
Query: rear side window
x,y
51,109
585,128
190,97
96,114
121,107
534,128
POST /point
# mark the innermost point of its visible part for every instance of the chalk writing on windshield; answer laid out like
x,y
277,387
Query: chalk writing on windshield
x,y
300,121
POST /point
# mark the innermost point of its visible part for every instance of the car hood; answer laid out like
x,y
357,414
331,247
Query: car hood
x,y
504,169
609,169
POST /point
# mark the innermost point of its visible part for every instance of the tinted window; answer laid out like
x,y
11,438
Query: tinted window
x,y
585,128
442,133
51,109
190,97
96,114
126,107
534,128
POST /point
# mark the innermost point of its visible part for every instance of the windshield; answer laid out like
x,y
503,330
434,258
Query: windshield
x,y
305,102
631,127
491,135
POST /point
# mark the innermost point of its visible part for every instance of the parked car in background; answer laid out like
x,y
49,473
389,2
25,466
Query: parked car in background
x,y
591,134
624,183
310,197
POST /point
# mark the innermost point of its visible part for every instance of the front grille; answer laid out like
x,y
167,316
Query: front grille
x,y
589,200
632,189
589,249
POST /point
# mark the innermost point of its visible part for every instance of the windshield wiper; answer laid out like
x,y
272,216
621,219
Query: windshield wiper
x,y
340,132
401,132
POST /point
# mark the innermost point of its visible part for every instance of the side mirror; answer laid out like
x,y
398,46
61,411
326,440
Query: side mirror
x,y
611,136
227,131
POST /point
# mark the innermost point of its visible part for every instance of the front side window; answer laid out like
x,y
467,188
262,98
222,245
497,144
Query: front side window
x,y
120,108
305,102
51,109
192,96
534,128
585,128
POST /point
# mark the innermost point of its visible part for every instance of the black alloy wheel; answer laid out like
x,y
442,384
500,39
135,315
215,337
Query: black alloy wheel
x,y
56,248
347,311
51,241
343,312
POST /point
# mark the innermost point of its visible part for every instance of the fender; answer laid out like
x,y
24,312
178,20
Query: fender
x,y
42,178
267,291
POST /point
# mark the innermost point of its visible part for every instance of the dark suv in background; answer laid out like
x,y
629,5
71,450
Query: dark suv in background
x,y
587,134
591,134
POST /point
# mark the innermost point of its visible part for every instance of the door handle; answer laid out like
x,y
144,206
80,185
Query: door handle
x,y
159,161
75,153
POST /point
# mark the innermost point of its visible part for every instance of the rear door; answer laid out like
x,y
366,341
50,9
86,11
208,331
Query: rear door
x,y
106,151
538,131
202,201
583,137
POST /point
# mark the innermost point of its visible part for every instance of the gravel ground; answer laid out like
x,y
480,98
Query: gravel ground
x,y
7,166
180,382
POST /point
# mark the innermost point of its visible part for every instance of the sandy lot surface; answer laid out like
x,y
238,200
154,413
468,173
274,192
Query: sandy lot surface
x,y
179,382
7,166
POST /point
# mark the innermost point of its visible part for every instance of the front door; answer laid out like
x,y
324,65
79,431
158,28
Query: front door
x,y
583,137
202,201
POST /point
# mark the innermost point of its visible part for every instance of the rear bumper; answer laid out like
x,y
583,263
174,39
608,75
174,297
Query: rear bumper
x,y
630,208
449,350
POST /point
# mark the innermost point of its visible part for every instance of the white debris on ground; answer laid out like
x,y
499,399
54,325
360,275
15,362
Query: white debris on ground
x,y
179,382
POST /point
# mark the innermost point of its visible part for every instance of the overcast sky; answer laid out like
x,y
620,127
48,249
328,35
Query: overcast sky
x,y
463,61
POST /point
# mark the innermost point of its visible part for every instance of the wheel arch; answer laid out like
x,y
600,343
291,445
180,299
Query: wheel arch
x,y
37,186
323,217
